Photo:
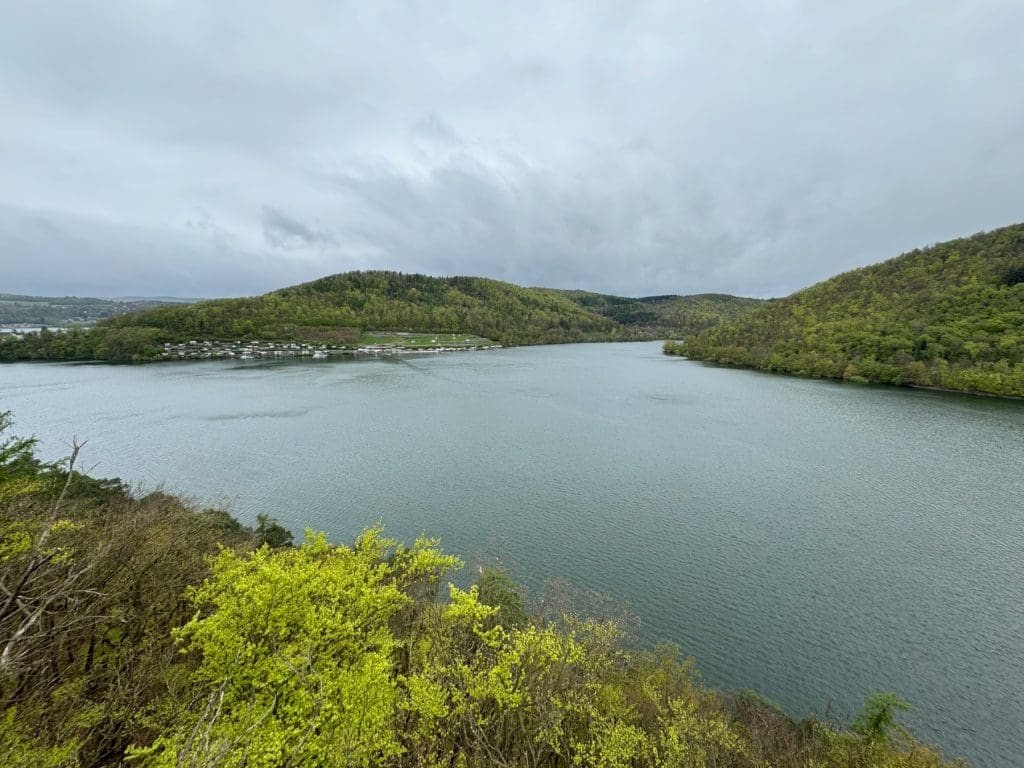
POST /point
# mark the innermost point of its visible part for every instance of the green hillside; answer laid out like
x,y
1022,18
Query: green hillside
x,y
386,300
340,309
66,310
660,316
950,315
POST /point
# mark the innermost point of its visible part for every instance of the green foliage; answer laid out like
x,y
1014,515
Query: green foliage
x,y
47,346
877,720
656,317
67,310
120,345
18,467
91,580
272,533
496,588
126,344
382,300
296,651
950,316
19,749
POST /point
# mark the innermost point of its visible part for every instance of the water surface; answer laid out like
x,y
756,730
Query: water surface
x,y
811,540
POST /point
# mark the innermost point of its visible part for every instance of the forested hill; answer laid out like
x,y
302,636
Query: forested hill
x,y
661,316
950,315
387,300
68,310
340,308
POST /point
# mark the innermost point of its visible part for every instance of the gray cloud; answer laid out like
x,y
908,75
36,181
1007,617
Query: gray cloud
x,y
625,147
282,231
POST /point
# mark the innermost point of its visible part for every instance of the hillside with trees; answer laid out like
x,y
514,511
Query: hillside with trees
x,y
950,315
146,631
340,308
64,311
659,316
385,301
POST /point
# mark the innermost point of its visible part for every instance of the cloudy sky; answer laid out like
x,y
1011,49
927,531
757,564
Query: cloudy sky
x,y
228,148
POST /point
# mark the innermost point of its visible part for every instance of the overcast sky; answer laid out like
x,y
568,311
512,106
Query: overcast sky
x,y
229,148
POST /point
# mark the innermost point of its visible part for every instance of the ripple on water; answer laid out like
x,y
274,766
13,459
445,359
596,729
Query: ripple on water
x,y
812,540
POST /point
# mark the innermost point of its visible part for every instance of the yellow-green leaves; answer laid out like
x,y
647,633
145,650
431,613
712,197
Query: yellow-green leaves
x,y
20,749
297,654
690,737
15,539
466,611
330,656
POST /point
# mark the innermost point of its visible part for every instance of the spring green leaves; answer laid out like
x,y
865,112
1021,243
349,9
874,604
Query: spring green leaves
x,y
951,316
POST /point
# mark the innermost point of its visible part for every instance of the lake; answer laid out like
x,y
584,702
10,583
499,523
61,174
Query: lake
x,y
811,540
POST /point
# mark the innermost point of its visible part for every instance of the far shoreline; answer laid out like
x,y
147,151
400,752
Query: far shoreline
x,y
887,385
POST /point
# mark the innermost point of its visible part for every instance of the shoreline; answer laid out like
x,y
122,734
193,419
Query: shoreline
x,y
923,387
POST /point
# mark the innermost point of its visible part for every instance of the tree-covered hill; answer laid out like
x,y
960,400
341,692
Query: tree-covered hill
x,y
386,300
341,307
950,315
147,632
67,310
661,316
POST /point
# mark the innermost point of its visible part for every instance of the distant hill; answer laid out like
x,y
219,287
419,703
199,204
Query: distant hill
x,y
156,299
360,301
950,315
340,308
69,310
662,316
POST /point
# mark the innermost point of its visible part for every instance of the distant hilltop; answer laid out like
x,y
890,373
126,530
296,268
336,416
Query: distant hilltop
x,y
155,299
64,311
948,316
342,309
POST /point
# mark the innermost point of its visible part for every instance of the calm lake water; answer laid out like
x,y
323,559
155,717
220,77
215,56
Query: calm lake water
x,y
811,540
